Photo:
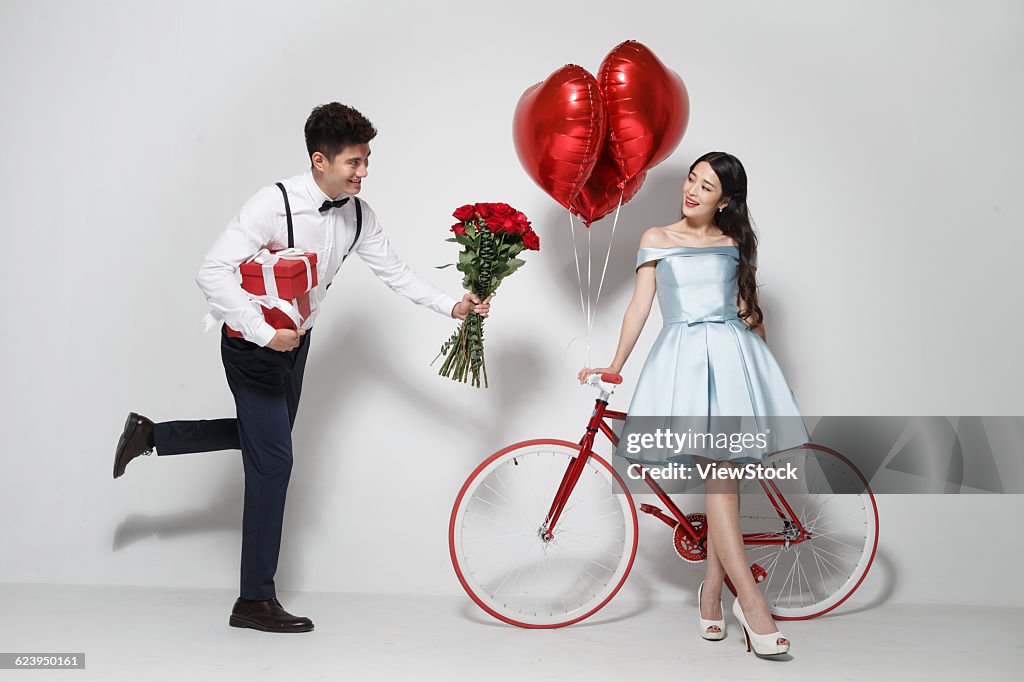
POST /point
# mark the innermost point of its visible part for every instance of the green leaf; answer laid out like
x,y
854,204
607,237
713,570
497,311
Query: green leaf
x,y
513,265
442,267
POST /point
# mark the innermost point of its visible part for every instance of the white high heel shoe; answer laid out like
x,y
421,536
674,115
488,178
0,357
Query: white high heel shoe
x,y
705,623
764,645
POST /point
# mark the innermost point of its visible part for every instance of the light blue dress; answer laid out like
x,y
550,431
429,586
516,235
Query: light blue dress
x,y
707,370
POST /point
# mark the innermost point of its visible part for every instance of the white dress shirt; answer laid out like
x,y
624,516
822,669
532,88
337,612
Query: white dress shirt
x,y
262,223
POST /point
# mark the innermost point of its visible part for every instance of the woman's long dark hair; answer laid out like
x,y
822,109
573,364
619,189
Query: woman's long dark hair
x,y
734,222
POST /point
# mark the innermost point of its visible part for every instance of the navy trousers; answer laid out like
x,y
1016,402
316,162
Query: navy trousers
x,y
266,385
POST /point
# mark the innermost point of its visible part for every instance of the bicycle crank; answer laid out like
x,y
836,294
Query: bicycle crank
x,y
686,547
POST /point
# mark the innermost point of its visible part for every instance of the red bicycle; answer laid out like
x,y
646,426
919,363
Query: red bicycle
x,y
544,532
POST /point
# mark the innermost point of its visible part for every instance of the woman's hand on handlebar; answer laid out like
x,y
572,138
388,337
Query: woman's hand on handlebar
x,y
587,371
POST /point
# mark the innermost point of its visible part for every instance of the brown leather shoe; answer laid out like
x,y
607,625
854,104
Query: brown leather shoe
x,y
135,440
267,615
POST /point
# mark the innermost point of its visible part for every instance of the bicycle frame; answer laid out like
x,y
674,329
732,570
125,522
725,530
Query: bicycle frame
x,y
796,533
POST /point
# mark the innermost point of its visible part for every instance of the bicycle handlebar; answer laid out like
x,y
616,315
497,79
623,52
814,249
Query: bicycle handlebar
x,y
606,382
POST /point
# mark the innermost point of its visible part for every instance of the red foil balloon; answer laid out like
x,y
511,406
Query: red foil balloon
x,y
558,128
648,108
600,196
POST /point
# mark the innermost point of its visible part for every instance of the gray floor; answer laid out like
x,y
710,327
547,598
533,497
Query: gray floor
x,y
135,633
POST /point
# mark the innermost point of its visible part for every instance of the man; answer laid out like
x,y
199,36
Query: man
x,y
319,212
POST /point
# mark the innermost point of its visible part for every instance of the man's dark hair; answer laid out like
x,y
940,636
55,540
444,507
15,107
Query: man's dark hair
x,y
332,127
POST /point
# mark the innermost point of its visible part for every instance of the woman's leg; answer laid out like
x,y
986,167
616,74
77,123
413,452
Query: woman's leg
x,y
711,594
723,511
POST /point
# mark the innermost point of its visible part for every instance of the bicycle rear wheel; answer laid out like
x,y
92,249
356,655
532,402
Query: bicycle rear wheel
x,y
835,505
500,556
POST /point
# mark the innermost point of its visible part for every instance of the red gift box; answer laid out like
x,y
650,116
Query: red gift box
x,y
290,276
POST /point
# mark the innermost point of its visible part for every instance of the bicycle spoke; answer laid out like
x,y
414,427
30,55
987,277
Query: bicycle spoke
x,y
602,551
786,581
600,581
498,538
814,521
530,523
838,542
805,577
517,512
472,512
821,549
572,534
771,569
830,563
496,506
509,575
538,507
820,564
532,486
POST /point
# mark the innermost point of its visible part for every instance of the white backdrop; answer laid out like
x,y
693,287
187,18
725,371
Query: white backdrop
x,y
882,142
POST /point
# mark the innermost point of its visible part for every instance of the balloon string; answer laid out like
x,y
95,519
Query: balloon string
x,y
579,280
607,256
590,289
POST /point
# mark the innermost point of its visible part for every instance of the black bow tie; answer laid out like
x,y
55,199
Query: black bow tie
x,y
328,205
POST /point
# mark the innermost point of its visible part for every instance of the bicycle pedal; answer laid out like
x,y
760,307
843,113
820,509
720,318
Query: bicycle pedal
x,y
658,514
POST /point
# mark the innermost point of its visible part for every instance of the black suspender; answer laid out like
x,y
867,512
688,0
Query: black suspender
x,y
359,226
288,213
291,230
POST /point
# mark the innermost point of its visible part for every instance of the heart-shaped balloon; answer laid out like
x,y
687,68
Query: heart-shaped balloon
x,y
601,195
558,129
648,108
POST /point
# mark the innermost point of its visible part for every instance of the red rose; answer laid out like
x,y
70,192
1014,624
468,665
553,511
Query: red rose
x,y
531,240
522,224
502,225
458,228
483,210
464,213
501,210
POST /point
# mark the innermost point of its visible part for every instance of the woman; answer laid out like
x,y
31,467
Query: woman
x,y
711,362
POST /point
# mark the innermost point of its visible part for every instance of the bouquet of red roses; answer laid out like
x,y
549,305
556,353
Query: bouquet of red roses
x,y
492,235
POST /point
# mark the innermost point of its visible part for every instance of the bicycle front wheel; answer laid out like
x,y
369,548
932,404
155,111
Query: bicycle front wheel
x,y
500,553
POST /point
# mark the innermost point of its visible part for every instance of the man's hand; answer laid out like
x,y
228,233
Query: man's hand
x,y
471,303
286,340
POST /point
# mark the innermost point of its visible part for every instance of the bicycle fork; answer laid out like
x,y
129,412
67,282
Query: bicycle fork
x,y
572,474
